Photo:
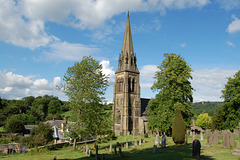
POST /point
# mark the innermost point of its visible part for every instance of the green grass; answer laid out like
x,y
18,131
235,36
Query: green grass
x,y
143,152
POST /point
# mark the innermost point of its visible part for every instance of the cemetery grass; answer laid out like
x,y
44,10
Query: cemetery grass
x,y
143,152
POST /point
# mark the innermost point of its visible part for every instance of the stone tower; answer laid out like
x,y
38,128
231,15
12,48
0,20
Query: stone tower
x,y
126,96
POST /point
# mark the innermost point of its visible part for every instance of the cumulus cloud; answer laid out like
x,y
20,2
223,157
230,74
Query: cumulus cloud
x,y
60,51
15,86
209,83
22,22
234,26
108,71
19,31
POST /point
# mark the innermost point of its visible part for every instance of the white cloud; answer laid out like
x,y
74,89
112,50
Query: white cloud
x,y
108,71
60,51
183,45
230,44
234,26
209,83
147,72
15,86
18,31
22,22
229,4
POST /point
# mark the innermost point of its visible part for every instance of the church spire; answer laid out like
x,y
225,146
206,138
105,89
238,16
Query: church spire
x,y
127,40
127,60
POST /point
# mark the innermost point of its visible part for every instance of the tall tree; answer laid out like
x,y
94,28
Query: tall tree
x,y
231,105
172,82
85,86
204,120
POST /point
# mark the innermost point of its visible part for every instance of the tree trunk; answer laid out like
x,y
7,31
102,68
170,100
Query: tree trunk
x,y
74,144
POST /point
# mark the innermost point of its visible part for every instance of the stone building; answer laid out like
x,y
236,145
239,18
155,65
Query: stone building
x,y
127,109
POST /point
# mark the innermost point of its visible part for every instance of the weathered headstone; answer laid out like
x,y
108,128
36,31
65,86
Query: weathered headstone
x,y
110,147
201,136
210,137
231,138
154,149
125,138
126,145
133,135
140,142
226,139
90,153
86,149
163,141
196,147
136,143
157,141
216,137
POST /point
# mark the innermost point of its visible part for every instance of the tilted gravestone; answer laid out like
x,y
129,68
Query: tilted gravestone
x,y
196,147
154,149
126,145
163,141
157,141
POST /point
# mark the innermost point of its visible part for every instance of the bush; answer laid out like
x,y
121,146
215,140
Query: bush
x,y
14,126
178,128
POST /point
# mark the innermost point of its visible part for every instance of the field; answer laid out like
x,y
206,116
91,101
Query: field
x,y
143,152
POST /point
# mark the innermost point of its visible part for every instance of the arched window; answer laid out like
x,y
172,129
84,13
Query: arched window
x,y
119,119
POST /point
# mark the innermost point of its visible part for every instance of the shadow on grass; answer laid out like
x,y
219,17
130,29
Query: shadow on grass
x,y
172,153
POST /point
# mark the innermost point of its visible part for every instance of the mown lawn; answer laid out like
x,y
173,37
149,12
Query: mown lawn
x,y
143,152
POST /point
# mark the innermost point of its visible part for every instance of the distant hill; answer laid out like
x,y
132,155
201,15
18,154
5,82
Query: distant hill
x,y
206,107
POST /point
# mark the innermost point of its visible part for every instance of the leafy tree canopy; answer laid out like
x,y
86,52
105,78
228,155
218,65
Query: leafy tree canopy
x,y
231,105
204,120
172,83
85,86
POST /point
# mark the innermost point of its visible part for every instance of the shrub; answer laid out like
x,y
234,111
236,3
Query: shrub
x,y
178,128
14,126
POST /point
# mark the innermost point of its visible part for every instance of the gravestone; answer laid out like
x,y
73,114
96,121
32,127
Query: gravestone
x,y
115,149
226,140
210,137
120,151
231,138
154,149
110,147
201,136
96,155
196,147
133,135
163,141
125,139
157,141
216,137
86,149
90,153
126,145
135,143
140,142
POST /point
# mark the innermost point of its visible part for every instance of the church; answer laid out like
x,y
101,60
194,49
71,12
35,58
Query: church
x,y
129,110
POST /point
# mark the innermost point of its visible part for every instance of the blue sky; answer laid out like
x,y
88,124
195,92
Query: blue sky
x,y
39,40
